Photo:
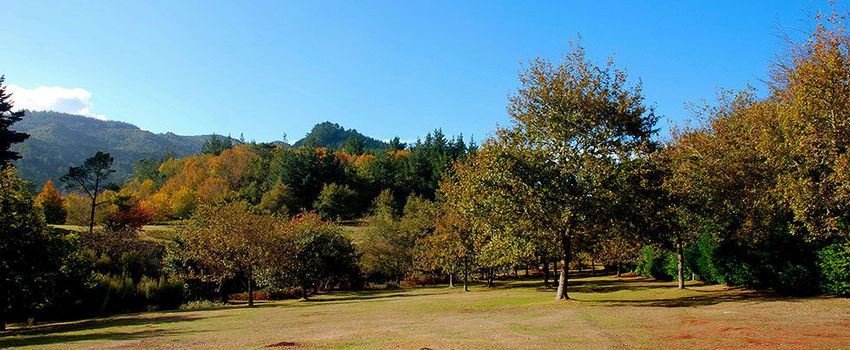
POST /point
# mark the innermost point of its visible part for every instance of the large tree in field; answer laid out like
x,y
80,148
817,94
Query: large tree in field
x,y
226,241
309,253
90,178
7,118
574,122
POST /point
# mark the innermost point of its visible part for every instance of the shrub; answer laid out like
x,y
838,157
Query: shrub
x,y
834,268
120,294
655,264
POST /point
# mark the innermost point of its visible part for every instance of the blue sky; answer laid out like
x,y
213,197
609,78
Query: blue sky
x,y
392,68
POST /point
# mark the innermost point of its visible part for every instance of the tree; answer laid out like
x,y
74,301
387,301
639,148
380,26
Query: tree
x,y
23,248
7,118
51,202
307,252
215,145
225,241
129,213
336,202
89,177
354,145
277,200
574,121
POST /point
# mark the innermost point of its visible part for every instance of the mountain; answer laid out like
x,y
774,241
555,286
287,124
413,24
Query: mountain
x,y
334,136
59,140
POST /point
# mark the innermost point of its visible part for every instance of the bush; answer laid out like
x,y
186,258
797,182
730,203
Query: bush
x,y
797,280
119,294
834,268
698,259
656,264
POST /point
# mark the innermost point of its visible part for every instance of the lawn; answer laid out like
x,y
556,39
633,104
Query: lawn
x,y
605,312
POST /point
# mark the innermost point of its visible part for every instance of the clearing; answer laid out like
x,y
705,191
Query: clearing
x,y
605,312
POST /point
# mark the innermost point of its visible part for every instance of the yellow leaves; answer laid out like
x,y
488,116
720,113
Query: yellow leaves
x,y
160,205
49,196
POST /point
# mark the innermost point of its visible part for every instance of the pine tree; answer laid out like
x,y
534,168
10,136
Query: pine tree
x,y
7,118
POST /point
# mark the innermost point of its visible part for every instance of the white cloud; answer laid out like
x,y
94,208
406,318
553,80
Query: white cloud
x,y
53,98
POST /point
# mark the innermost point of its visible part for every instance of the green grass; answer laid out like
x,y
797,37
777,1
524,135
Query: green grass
x,y
604,312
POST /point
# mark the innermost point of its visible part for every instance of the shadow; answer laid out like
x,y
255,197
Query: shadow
x,y
608,286
344,298
701,300
118,321
47,339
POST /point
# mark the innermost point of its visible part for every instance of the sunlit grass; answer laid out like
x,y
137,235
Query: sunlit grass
x,y
604,312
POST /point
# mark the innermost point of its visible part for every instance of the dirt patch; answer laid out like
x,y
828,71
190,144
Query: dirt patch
x,y
283,343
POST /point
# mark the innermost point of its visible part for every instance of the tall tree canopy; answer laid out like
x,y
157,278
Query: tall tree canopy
x,y
575,122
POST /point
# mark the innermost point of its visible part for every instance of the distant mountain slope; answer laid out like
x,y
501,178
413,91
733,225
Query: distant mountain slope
x,y
334,136
58,141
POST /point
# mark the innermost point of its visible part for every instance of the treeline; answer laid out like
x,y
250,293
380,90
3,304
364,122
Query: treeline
x,y
755,195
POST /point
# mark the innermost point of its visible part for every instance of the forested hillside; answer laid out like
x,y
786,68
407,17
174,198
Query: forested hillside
x,y
335,137
58,141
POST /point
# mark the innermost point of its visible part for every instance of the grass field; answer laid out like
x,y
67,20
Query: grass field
x,y
605,312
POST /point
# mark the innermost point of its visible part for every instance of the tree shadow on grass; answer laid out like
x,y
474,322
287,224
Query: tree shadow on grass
x,y
53,334
364,296
709,298
98,323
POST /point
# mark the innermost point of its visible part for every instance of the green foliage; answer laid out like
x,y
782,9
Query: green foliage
x,y
7,118
120,294
26,264
336,202
387,250
277,200
834,266
305,171
148,168
215,145
656,264
385,204
308,253
335,137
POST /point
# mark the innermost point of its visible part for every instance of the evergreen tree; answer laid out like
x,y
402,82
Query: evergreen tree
x,y
7,118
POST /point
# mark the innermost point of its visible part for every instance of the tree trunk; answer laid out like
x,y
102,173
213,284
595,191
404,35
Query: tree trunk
x,y
526,271
592,266
693,276
490,273
93,205
619,273
466,280
545,273
251,291
451,280
516,273
222,293
2,322
565,269
681,263
579,265
555,266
